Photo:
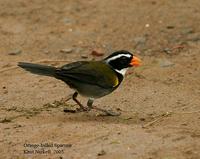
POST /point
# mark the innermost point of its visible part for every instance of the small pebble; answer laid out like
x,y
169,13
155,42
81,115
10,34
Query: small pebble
x,y
167,50
142,119
69,50
101,153
118,109
15,52
147,25
97,52
170,27
84,56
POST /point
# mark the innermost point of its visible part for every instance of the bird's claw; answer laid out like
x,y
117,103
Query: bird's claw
x,y
77,110
87,109
107,112
83,109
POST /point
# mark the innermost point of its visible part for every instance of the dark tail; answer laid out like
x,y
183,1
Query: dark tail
x,y
38,69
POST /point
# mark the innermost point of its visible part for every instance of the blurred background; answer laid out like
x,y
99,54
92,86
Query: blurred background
x,y
162,95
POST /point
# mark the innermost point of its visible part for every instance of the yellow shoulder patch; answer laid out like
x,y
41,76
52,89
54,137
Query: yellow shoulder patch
x,y
108,76
116,82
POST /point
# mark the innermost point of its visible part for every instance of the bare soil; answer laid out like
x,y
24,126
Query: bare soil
x,y
159,101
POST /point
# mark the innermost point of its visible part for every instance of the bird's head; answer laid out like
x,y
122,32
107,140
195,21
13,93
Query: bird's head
x,y
120,61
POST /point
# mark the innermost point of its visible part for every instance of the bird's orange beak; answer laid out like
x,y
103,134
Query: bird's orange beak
x,y
135,61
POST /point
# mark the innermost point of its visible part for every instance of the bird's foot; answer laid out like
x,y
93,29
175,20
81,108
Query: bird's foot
x,y
83,109
112,113
107,112
77,110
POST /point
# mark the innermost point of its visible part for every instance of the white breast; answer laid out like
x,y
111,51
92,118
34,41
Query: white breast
x,y
122,71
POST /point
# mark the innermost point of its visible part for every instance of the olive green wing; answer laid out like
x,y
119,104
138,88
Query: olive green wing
x,y
95,73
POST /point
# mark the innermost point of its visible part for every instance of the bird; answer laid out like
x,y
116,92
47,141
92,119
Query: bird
x,y
91,79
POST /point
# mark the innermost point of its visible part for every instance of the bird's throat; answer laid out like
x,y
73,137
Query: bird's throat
x,y
122,71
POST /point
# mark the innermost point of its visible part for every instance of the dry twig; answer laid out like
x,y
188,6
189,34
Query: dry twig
x,y
156,120
166,115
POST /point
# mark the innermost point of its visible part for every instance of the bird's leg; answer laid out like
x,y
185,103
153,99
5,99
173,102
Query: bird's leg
x,y
107,112
89,103
74,97
66,110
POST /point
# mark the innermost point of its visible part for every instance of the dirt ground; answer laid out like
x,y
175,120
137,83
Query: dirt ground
x,y
159,101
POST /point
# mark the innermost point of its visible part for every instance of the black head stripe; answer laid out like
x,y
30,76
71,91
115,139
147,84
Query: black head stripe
x,y
117,53
119,60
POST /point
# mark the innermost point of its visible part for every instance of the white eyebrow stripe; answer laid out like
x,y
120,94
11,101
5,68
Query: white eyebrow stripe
x,y
118,56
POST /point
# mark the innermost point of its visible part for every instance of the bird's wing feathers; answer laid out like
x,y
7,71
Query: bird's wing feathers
x,y
95,73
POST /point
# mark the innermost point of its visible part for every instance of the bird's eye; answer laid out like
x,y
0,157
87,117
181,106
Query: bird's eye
x,y
124,61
